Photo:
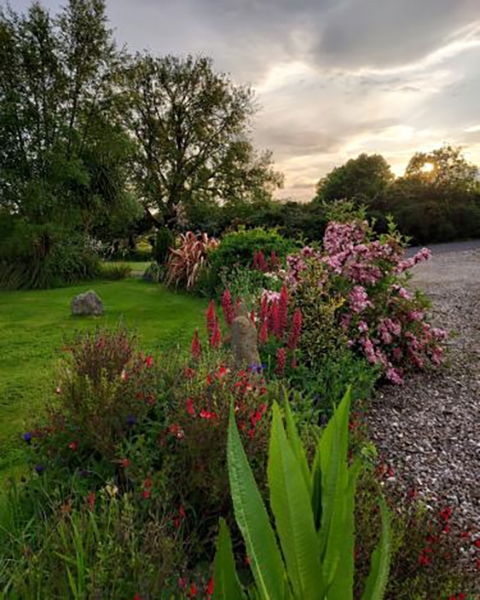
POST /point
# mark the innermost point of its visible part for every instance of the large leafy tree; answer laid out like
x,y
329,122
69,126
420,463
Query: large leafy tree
x,y
191,126
444,168
364,177
63,155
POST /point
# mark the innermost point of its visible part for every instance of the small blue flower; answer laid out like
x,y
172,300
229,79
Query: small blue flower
x,y
27,437
39,469
131,420
257,367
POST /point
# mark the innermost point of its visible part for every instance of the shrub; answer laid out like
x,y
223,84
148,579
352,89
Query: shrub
x,y
185,263
106,547
164,240
237,249
106,387
43,256
379,317
114,272
313,509
429,559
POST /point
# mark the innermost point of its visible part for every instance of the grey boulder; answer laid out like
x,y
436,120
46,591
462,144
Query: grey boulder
x,y
88,303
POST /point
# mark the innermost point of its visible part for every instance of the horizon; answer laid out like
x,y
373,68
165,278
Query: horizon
x,y
333,80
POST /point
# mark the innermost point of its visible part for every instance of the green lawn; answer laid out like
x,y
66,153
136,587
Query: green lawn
x,y
135,266
33,325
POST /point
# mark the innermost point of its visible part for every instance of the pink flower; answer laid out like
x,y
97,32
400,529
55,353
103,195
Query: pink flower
x,y
358,299
395,376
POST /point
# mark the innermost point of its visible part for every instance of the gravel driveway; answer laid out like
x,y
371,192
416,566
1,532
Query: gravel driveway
x,y
429,429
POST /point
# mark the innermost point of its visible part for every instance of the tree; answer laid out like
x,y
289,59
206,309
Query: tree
x,y
444,168
191,126
63,153
365,177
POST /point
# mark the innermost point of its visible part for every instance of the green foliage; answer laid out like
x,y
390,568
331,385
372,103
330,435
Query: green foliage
x,y
191,126
164,240
34,324
321,334
43,256
443,168
442,573
114,272
103,548
364,177
237,248
313,512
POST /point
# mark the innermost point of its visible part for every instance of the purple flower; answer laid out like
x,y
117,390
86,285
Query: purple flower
x,y
27,437
39,469
131,420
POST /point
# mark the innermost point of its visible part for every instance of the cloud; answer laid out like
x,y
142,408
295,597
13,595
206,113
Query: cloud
x,y
333,77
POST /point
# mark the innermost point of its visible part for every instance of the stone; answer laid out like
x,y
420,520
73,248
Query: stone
x,y
244,343
88,303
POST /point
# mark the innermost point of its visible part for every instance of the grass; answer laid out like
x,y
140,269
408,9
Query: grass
x,y
33,325
135,266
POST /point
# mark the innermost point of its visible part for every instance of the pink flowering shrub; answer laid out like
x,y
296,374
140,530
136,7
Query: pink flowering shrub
x,y
380,318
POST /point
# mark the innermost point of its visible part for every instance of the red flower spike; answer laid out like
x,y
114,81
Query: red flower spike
x,y
149,362
263,334
193,591
282,312
196,348
227,307
189,373
252,317
146,494
272,319
264,309
190,408
148,482
211,317
216,337
91,500
296,329
137,597
281,360
125,463
273,260
261,262
210,586
476,543
73,446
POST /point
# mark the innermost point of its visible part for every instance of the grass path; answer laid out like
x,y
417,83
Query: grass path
x,y
33,325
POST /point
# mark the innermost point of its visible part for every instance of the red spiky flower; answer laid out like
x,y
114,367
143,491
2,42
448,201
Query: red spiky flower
x,y
196,346
296,329
227,307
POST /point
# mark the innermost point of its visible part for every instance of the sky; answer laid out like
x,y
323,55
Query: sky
x,y
333,78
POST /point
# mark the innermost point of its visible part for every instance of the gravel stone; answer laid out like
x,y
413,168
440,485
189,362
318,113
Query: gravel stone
x,y
429,428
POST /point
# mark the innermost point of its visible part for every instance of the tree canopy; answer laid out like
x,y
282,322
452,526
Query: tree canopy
x,y
365,177
192,129
443,168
